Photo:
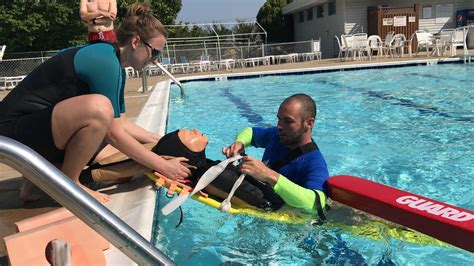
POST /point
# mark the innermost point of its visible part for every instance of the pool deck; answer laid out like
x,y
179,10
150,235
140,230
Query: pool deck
x,y
12,209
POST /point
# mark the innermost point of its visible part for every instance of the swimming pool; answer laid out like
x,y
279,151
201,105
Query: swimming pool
x,y
410,128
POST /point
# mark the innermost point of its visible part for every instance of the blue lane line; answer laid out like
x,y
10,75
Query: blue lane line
x,y
439,78
420,108
245,110
423,109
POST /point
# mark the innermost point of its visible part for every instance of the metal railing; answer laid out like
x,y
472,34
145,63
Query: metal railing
x,y
52,181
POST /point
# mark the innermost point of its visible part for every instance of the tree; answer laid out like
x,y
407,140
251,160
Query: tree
x,y
165,10
42,25
278,26
249,27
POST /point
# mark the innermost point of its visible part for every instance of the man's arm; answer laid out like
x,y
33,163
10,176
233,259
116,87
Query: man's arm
x,y
85,14
113,9
298,196
98,17
293,194
243,139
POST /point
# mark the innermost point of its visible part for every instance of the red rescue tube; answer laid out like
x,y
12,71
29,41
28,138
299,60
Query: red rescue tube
x,y
448,223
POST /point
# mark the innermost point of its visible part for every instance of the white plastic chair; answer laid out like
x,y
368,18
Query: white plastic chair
x,y
458,40
315,52
409,44
316,49
347,40
375,44
424,40
446,39
360,45
342,48
386,43
131,73
397,45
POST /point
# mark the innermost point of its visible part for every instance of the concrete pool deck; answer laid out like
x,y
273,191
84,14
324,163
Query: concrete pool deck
x,y
134,199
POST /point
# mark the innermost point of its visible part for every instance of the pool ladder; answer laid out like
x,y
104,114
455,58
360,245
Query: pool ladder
x,y
52,181
468,58
145,79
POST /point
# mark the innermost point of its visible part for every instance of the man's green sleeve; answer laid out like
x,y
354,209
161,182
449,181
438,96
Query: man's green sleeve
x,y
245,136
297,196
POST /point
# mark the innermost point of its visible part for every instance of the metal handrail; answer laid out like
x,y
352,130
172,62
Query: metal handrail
x,y
173,78
52,181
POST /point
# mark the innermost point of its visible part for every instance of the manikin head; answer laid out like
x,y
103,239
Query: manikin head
x,y
193,139
184,143
296,117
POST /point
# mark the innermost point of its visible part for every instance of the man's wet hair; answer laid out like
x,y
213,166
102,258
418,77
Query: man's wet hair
x,y
308,106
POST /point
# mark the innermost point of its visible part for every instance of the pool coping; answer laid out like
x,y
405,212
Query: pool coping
x,y
135,203
134,206
321,69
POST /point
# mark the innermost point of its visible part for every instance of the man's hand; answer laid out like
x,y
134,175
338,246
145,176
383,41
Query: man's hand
x,y
259,170
234,148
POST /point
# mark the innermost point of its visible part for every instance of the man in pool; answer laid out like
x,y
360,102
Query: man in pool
x,y
294,167
190,144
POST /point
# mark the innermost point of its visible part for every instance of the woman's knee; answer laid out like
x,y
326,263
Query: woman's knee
x,y
100,108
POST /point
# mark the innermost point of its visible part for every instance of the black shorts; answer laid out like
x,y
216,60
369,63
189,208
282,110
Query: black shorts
x,y
34,130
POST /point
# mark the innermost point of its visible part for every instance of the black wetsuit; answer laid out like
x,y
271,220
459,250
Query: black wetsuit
x,y
252,191
25,113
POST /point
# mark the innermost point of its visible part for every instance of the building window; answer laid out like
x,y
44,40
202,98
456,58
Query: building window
x,y
301,16
310,14
331,7
319,11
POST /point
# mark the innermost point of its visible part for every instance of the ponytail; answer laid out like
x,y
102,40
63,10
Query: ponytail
x,y
139,21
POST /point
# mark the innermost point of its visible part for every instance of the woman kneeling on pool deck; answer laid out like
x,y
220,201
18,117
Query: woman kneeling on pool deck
x,y
190,144
69,105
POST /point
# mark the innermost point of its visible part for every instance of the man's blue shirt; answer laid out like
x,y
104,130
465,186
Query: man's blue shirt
x,y
308,170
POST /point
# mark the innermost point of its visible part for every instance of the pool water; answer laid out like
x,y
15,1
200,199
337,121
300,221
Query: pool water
x,y
410,128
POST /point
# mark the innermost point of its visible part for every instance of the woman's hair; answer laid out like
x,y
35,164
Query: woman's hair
x,y
139,21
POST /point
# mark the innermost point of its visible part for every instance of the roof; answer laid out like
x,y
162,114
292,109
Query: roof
x,y
298,5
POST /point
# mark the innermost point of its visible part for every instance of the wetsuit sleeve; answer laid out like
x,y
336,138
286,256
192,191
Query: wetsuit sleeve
x,y
261,137
245,136
122,92
98,66
297,196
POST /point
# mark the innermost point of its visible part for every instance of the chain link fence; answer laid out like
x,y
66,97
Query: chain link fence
x,y
22,64
221,51
19,67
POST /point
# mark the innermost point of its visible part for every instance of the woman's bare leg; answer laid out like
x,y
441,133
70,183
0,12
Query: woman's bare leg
x,y
79,126
105,152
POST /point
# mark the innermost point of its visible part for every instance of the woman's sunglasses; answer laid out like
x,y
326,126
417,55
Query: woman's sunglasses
x,y
155,53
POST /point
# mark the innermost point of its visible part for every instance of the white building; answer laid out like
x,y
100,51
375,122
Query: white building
x,y
314,19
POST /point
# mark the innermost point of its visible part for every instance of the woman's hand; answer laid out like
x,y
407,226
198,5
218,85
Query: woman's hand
x,y
175,168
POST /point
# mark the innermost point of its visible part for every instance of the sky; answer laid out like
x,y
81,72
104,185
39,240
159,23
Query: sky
x,y
204,11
